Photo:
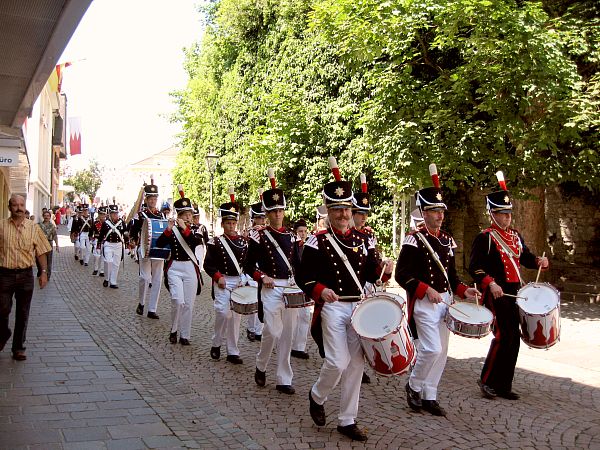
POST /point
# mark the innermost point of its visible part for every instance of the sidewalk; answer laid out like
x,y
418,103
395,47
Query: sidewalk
x,y
98,376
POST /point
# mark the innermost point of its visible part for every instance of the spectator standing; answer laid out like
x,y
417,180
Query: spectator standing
x,y
49,229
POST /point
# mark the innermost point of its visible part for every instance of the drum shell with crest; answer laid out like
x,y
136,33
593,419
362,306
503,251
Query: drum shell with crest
x,y
151,230
385,338
539,314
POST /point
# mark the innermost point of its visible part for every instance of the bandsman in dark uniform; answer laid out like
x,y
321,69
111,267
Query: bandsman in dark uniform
x,y
181,271
335,265
150,269
426,270
73,233
305,313
225,257
94,234
112,240
497,255
271,260
81,228
258,219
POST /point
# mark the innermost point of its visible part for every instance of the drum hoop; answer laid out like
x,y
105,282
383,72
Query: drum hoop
x,y
395,330
552,288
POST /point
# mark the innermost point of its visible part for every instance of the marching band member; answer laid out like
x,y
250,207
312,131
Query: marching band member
x,y
271,258
201,230
305,313
112,241
81,228
426,269
94,233
225,257
335,265
258,218
181,271
496,257
150,269
72,226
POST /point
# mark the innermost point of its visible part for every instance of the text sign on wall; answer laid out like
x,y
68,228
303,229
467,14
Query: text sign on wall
x,y
9,156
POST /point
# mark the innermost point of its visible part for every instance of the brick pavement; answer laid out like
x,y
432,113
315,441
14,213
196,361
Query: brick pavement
x,y
177,396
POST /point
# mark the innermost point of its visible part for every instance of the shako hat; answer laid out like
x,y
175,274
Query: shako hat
x,y
84,206
231,209
430,198
113,208
256,209
151,189
338,193
499,201
299,223
362,200
273,198
101,209
182,204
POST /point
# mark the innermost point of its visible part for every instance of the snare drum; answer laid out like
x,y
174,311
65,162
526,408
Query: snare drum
x,y
384,335
244,300
469,320
539,314
151,230
295,298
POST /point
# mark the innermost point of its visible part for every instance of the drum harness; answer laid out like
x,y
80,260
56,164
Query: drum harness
x,y
344,258
436,258
508,251
231,255
113,228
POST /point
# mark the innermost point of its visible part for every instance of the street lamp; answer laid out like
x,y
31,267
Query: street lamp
x,y
211,164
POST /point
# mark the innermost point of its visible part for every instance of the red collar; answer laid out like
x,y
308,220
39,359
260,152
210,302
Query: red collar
x,y
504,233
346,234
279,230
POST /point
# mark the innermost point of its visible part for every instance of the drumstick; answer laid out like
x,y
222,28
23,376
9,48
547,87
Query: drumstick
x,y
476,299
515,296
349,297
454,307
539,269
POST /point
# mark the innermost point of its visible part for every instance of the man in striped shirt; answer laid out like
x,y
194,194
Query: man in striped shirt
x,y
21,242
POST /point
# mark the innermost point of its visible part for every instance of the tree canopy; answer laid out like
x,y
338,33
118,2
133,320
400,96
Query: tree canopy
x,y
86,181
388,87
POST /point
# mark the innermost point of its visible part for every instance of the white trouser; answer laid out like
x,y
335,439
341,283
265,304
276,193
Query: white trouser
x,y
432,346
344,360
302,328
254,325
113,252
151,271
279,324
84,247
199,252
77,246
183,283
96,255
227,322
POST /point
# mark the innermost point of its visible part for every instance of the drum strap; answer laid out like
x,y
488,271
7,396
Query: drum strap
x,y
508,252
113,228
185,246
274,242
436,258
344,258
230,253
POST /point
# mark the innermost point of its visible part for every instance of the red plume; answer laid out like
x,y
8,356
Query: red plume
x,y
180,189
334,168
271,175
260,193
232,194
363,183
434,175
501,181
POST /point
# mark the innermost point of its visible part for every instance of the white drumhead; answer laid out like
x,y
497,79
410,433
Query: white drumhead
x,y
476,314
376,317
245,295
541,298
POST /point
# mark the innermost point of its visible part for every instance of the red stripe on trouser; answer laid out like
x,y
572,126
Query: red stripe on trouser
x,y
491,358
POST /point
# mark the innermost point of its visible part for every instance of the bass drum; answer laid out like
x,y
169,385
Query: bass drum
x,y
151,230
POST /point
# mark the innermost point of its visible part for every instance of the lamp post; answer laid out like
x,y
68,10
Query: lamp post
x,y
211,164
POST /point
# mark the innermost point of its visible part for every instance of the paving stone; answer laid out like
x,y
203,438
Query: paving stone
x,y
86,434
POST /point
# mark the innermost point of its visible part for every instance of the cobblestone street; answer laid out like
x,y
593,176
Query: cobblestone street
x,y
99,376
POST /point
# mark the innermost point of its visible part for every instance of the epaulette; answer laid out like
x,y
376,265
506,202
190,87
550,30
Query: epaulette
x,y
317,233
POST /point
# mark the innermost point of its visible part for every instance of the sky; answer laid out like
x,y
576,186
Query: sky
x,y
127,57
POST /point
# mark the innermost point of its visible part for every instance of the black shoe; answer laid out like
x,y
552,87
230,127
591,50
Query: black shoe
x,y
140,309
509,395
95,272
85,264
487,391
260,377
285,389
317,412
152,315
299,354
5,340
184,341
366,379
105,283
258,337
235,359
251,335
114,286
76,257
433,407
101,274
215,352
173,338
81,262
353,432
413,398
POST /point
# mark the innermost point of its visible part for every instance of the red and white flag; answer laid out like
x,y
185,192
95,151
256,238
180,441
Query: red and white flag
x,y
74,136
